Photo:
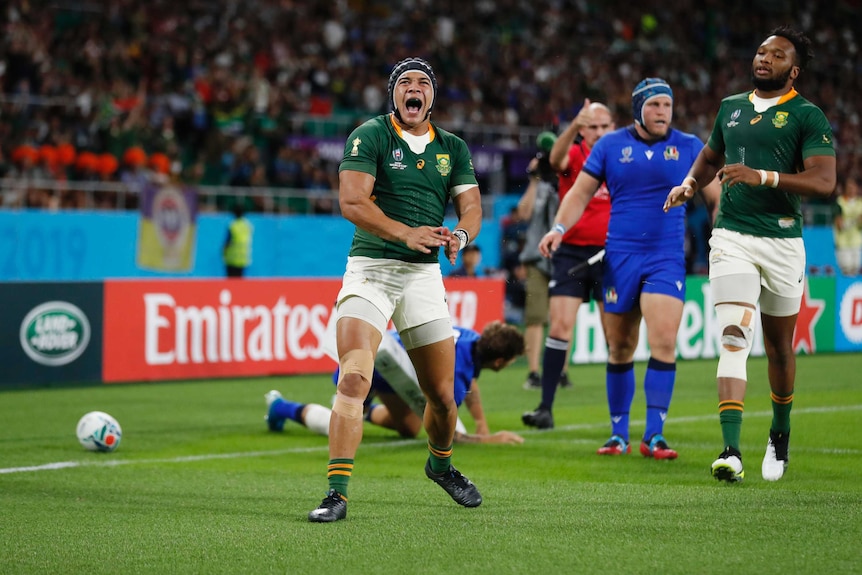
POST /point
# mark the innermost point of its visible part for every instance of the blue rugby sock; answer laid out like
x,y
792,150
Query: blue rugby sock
x,y
620,383
287,409
658,388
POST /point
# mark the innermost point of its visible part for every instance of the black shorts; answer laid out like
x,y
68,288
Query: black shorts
x,y
585,284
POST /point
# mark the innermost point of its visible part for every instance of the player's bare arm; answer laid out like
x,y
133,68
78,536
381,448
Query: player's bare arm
x,y
468,208
357,206
570,211
473,401
817,179
707,164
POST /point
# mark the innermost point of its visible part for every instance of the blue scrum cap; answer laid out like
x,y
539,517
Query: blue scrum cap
x,y
646,90
408,65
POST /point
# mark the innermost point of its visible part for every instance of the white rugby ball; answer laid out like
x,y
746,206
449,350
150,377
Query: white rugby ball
x,y
98,431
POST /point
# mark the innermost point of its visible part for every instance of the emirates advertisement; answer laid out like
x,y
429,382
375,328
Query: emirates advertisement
x,y
182,329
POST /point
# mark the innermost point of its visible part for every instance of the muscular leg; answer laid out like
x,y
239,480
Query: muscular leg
x,y
662,314
621,330
778,343
345,431
435,368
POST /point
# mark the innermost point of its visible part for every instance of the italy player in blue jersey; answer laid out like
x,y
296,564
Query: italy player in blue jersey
x,y
644,263
398,402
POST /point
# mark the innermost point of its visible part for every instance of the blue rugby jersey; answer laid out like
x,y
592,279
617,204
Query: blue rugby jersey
x,y
639,175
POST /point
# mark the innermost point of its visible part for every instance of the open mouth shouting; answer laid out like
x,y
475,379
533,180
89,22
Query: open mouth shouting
x,y
413,106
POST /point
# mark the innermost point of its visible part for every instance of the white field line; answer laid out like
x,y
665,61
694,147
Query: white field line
x,y
385,444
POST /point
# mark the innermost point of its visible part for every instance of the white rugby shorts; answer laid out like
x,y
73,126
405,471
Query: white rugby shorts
x,y
779,263
410,294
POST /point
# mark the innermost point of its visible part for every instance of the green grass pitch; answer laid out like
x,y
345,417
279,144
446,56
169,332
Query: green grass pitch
x,y
199,486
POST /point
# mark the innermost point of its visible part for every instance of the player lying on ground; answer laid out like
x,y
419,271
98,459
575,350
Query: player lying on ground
x,y
400,403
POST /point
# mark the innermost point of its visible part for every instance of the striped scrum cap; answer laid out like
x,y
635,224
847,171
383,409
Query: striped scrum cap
x,y
408,65
646,90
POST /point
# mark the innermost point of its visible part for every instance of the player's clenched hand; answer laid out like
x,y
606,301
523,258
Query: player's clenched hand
x,y
425,238
550,242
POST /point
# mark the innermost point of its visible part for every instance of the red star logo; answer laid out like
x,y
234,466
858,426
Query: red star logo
x,y
810,311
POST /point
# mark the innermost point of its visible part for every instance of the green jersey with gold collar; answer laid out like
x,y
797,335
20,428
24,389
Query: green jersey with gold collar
x,y
411,188
778,139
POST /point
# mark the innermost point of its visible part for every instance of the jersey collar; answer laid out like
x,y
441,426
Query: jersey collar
x,y
788,96
398,130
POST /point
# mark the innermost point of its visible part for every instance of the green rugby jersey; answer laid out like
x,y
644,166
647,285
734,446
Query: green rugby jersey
x,y
778,139
410,188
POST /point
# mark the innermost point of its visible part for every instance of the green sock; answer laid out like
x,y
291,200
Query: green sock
x,y
730,416
781,405
440,457
339,473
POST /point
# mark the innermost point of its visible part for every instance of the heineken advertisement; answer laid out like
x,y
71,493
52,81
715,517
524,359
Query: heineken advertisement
x,y
830,319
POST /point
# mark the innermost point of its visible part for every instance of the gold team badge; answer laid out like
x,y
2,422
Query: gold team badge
x,y
420,164
780,119
444,165
355,150
756,119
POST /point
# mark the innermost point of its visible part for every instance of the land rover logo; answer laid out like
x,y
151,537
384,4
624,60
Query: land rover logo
x,y
55,333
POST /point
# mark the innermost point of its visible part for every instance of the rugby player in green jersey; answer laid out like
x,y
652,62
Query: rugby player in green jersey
x,y
398,174
770,148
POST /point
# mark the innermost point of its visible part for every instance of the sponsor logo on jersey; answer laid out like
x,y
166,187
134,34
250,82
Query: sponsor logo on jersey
x,y
648,154
627,155
444,164
671,153
780,119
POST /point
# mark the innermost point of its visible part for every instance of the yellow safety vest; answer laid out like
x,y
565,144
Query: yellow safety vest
x,y
238,252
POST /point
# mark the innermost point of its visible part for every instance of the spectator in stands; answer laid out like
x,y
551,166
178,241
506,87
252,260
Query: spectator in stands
x,y
201,70
848,229
471,258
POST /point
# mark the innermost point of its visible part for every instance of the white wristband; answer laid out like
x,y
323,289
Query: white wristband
x,y
462,236
762,177
774,182
559,228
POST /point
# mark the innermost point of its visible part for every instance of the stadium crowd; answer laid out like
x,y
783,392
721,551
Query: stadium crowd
x,y
211,92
